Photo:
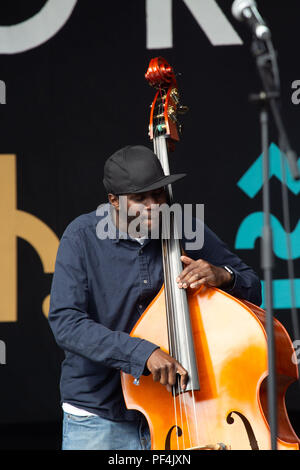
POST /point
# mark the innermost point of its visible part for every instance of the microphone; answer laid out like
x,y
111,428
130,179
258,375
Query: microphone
x,y
246,10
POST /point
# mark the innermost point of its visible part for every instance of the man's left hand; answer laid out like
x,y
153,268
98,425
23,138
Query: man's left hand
x,y
199,272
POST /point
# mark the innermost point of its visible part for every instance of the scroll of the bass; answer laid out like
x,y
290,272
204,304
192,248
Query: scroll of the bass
x,y
229,408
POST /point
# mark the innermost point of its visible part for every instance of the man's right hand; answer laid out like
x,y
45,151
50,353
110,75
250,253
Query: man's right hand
x,y
164,369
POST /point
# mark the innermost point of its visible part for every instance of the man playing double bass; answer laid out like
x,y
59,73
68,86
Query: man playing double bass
x,y
100,288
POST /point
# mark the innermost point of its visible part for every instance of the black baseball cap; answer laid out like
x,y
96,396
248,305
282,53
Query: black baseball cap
x,y
135,169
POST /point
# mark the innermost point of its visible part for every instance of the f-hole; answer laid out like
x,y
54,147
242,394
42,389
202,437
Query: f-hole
x,y
168,438
249,430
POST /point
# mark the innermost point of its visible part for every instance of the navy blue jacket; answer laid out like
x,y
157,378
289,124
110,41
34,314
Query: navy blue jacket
x,y
99,290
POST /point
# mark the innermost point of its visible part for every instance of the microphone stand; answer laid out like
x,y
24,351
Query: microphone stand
x,y
265,57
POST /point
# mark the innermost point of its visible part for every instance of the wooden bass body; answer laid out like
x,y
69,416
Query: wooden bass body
x,y
229,410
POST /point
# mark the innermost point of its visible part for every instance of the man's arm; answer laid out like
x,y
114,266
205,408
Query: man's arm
x,y
210,261
74,328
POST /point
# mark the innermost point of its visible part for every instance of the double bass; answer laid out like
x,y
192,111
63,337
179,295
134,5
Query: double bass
x,y
220,340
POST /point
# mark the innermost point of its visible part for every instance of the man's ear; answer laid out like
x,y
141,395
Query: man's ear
x,y
114,200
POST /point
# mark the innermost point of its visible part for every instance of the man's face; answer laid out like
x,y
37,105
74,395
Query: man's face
x,y
141,205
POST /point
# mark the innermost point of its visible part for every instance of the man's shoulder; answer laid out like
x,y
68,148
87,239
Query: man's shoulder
x,y
83,222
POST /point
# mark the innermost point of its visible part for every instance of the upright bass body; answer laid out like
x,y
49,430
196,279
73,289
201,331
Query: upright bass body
x,y
230,407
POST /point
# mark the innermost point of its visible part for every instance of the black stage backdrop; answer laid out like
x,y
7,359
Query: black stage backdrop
x,y
75,93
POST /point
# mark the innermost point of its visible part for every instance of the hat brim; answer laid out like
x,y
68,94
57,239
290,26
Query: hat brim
x,y
164,181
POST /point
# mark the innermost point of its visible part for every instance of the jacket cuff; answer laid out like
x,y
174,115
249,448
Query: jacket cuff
x,y
139,358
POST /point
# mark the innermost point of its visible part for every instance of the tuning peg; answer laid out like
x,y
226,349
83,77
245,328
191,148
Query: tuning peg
x,y
175,95
172,113
182,109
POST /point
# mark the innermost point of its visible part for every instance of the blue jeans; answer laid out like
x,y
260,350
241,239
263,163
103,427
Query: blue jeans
x,y
95,433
